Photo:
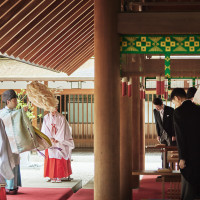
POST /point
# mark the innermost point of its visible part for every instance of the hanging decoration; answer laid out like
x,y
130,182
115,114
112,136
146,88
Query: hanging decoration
x,y
165,89
142,93
142,89
158,85
129,87
162,85
161,44
166,94
124,80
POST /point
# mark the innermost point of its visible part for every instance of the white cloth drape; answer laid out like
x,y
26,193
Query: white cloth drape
x,y
7,162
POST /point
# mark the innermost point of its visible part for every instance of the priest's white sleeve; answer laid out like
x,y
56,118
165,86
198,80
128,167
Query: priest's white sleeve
x,y
6,157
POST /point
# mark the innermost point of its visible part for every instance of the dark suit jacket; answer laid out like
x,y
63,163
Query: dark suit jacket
x,y
187,129
167,123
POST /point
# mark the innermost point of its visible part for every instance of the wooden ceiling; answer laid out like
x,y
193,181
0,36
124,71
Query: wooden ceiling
x,y
59,34
56,34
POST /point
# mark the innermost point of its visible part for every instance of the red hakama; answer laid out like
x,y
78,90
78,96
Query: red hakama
x,y
56,168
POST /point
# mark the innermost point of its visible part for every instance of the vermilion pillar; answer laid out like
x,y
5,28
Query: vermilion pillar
x,y
135,129
107,104
142,130
125,148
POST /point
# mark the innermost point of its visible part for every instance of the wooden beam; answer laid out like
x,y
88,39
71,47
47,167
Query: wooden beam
x,y
62,92
72,39
159,23
3,2
71,50
81,62
9,11
45,39
44,24
64,49
62,37
58,45
155,67
80,57
49,30
32,28
68,79
75,52
5,7
3,90
167,3
21,20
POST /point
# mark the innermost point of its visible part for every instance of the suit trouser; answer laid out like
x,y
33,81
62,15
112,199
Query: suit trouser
x,y
187,190
165,139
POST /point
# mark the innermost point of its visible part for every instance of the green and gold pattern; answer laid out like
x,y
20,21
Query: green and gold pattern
x,y
170,44
167,69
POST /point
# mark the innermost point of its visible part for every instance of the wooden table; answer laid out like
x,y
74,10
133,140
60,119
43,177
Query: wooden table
x,y
164,149
163,178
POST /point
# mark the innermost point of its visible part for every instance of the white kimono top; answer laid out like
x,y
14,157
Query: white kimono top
x,y
6,156
58,128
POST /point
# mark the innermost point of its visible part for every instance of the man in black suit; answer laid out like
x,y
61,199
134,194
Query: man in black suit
x,y
164,123
187,130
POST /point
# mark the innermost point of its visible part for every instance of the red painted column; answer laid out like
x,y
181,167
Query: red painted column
x,y
125,148
135,129
107,101
142,129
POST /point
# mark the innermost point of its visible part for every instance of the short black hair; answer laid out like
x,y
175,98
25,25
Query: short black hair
x,y
158,101
179,92
191,92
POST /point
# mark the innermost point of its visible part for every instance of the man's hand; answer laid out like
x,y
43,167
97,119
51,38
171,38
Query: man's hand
x,y
182,164
173,138
53,140
158,138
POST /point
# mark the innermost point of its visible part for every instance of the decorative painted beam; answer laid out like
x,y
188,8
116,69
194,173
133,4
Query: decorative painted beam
x,y
160,44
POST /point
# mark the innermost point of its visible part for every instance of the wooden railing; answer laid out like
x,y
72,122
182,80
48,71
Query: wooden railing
x,y
78,108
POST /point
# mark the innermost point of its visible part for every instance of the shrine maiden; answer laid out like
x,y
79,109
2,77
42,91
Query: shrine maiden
x,y
57,163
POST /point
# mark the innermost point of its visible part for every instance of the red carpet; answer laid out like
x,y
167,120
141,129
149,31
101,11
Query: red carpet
x,y
41,194
149,189
83,194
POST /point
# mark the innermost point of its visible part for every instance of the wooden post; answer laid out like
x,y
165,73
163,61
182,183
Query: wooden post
x,y
125,148
142,130
135,129
46,83
107,104
34,122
